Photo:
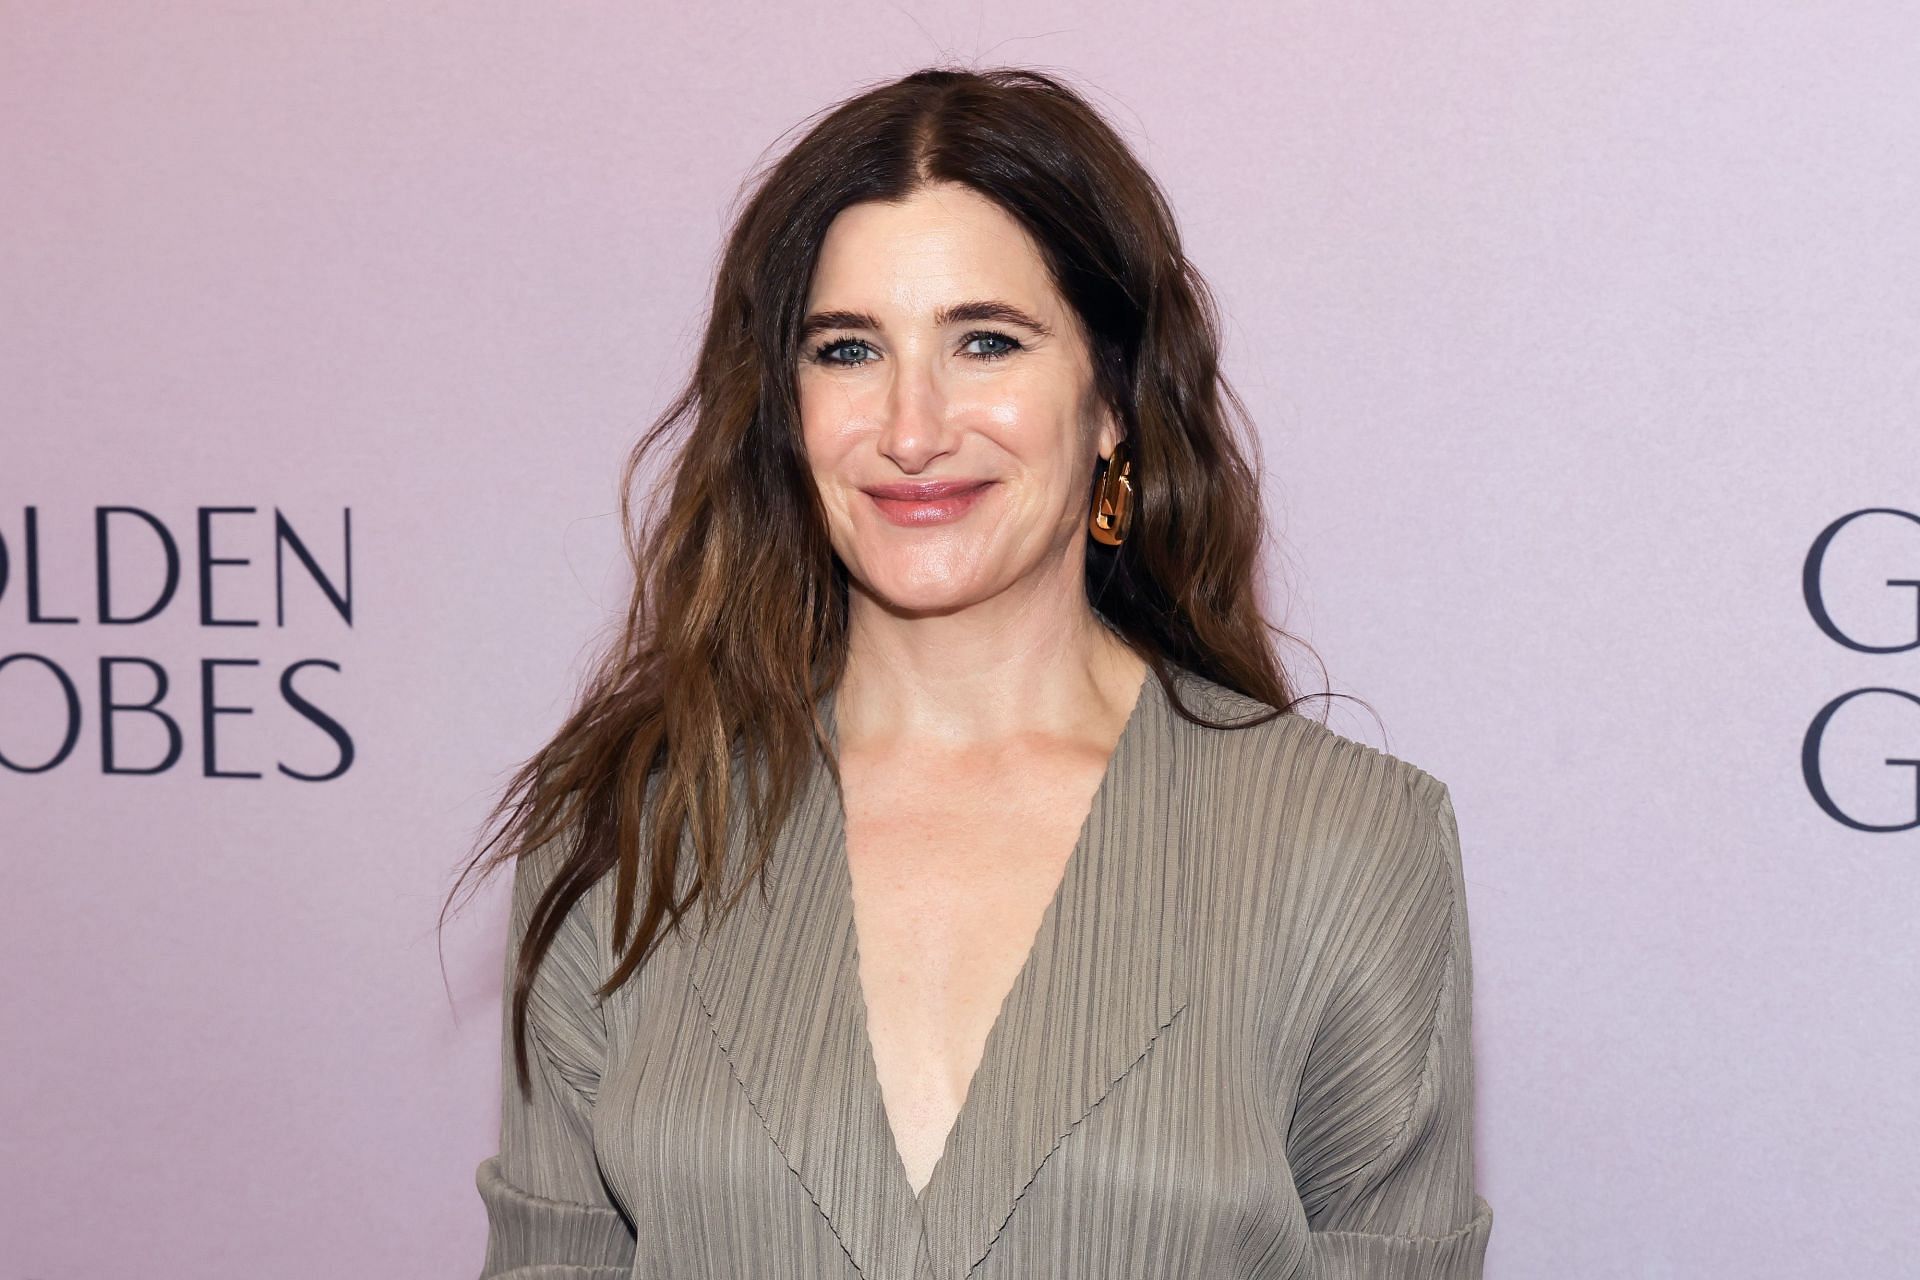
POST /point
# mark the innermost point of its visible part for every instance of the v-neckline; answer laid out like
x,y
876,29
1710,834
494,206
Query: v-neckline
x,y
1086,850
1107,974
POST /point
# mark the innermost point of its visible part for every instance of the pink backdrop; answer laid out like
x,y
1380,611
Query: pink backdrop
x,y
1568,327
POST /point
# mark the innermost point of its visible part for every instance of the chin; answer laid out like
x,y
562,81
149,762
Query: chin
x,y
923,592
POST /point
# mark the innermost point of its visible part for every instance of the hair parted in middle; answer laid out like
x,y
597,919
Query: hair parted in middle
x,y
709,693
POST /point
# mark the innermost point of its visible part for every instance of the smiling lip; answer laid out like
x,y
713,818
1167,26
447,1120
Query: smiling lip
x,y
927,501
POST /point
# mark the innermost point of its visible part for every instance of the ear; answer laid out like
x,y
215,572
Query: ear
x,y
1107,432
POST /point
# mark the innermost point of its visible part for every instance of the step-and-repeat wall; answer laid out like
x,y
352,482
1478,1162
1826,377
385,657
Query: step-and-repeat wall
x,y
1584,344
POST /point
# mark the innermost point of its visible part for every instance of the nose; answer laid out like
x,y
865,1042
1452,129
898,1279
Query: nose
x,y
917,427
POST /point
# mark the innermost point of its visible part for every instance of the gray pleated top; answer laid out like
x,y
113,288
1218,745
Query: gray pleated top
x,y
1239,1049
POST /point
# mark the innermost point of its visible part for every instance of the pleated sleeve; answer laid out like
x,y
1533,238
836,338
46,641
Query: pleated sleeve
x,y
549,1214
1382,1139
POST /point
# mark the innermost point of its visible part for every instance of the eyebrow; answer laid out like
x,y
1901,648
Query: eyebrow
x,y
988,310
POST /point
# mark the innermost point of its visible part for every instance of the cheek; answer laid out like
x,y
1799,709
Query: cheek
x,y
830,422
1048,442
829,453
824,435
1035,416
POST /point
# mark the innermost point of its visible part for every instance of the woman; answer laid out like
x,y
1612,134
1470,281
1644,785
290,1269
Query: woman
x,y
1042,936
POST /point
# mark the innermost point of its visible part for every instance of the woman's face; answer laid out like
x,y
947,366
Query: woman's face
x,y
937,352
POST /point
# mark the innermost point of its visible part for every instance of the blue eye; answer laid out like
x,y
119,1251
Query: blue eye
x,y
827,352
988,335
823,352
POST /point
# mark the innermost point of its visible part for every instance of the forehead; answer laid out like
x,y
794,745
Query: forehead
x,y
941,242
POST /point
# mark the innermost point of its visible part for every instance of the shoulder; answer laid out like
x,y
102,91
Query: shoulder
x,y
577,952
1290,750
1343,859
1288,787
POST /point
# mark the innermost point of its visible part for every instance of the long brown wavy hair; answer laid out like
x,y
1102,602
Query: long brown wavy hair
x,y
736,626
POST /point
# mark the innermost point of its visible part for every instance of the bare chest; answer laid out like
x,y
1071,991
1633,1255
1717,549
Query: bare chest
x,y
951,878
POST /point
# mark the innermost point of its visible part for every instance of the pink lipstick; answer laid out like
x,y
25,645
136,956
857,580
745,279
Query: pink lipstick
x,y
922,502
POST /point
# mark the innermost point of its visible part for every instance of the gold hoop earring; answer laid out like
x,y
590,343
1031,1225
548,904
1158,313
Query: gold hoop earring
x,y
1113,500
